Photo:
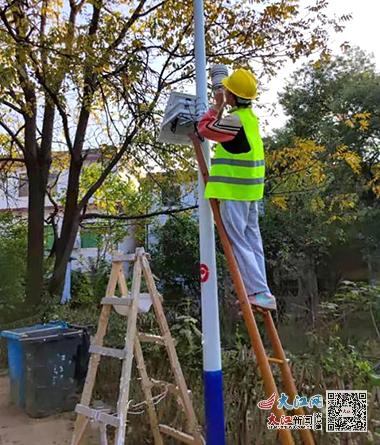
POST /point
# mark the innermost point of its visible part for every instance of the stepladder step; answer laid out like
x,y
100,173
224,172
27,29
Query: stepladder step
x,y
275,360
108,352
97,415
176,434
150,338
117,301
122,304
122,258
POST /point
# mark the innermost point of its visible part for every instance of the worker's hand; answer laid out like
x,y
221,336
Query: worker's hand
x,y
219,99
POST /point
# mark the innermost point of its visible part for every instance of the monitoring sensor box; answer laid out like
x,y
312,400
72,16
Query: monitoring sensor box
x,y
179,119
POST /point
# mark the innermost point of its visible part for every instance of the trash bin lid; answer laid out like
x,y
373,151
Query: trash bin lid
x,y
37,332
51,335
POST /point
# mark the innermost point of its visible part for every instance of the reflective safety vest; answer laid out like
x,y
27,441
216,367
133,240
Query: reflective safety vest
x,y
239,177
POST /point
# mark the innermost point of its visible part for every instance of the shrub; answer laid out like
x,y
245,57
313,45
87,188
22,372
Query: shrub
x,y
175,259
89,287
13,245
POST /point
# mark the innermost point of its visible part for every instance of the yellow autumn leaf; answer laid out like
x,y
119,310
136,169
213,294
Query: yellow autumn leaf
x,y
364,125
376,190
365,115
317,204
349,123
374,184
280,202
354,161
350,157
333,218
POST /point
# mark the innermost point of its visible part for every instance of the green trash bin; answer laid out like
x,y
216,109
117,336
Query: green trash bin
x,y
47,367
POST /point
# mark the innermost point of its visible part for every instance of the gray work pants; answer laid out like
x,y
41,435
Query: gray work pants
x,y
241,221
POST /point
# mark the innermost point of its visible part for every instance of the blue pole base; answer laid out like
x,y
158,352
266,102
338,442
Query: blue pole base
x,y
214,408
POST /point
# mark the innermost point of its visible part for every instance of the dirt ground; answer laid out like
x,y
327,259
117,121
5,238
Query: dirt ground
x,y
16,428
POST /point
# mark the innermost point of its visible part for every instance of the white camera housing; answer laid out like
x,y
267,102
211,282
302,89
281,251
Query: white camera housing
x,y
179,119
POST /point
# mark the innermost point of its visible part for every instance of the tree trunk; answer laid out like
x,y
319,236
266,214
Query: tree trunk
x,y
35,254
65,245
70,226
37,162
308,293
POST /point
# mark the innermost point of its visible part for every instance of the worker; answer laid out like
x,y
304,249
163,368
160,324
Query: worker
x,y
237,178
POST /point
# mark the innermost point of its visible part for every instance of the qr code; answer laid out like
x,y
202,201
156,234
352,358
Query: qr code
x,y
346,411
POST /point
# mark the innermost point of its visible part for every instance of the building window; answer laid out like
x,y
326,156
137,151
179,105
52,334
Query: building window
x,y
170,196
23,186
89,238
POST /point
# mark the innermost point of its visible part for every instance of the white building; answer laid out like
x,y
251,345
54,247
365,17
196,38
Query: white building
x,y
14,198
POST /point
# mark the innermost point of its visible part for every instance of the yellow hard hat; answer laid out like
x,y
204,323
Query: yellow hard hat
x,y
242,83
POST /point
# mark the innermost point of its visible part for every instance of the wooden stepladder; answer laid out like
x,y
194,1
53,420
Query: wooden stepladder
x,y
263,360
130,304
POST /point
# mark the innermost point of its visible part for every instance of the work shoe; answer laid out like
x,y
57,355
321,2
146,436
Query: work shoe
x,y
264,300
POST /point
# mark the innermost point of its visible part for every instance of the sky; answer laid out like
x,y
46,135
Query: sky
x,y
362,31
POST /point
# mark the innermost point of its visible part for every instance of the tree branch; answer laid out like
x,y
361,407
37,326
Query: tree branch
x,y
12,106
30,147
12,135
52,220
88,90
107,170
134,217
148,11
61,111
9,28
10,159
44,53
127,26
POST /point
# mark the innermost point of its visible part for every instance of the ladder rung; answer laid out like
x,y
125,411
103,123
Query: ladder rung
x,y
260,310
108,352
179,435
120,257
128,257
149,338
97,415
117,301
275,360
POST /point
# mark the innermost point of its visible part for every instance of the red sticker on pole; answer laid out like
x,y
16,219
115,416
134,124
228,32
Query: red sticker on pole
x,y
205,273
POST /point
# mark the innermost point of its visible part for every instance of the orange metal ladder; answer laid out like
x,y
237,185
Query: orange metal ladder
x,y
263,360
